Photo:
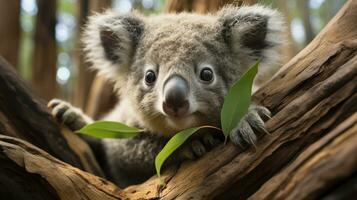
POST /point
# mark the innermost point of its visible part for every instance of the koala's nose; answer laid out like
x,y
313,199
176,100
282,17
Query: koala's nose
x,y
176,92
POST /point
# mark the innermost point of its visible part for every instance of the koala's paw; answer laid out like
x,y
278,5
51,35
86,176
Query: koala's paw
x,y
245,134
67,114
199,147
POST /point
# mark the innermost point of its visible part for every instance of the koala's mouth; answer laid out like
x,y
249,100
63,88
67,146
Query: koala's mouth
x,y
168,126
188,121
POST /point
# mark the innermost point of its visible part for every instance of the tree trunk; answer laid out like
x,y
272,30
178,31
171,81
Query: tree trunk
x,y
310,152
85,76
305,15
289,48
102,98
45,52
10,30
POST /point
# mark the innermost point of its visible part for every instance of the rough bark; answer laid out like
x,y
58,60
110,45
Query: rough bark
x,y
310,152
10,30
319,169
31,172
25,116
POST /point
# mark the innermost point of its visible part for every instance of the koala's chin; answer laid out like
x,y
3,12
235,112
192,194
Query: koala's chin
x,y
182,122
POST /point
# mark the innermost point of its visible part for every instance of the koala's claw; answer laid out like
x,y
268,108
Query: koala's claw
x,y
58,111
245,134
68,115
53,103
198,147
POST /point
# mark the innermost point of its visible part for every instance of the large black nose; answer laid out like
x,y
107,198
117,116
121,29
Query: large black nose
x,y
176,92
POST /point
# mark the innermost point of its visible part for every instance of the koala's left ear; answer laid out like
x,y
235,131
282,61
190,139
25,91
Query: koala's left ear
x,y
110,41
253,32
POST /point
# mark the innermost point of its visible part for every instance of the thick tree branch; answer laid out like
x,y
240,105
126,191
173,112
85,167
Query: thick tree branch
x,y
25,116
29,171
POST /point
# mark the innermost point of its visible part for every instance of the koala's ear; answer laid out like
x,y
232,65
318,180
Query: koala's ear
x,y
110,41
253,32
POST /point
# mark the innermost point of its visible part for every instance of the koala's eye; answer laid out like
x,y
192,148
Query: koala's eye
x,y
150,77
206,75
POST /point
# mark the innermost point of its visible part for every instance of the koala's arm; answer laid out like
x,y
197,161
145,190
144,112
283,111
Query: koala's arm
x,y
125,161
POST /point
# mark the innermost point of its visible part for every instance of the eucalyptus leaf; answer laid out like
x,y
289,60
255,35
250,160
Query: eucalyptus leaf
x,y
109,129
174,143
237,101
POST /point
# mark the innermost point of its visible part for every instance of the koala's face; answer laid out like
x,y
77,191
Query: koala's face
x,y
176,69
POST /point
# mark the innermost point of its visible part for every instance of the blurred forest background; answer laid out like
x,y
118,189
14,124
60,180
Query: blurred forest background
x,y
40,38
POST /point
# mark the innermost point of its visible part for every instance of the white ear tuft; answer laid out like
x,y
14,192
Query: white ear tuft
x,y
110,40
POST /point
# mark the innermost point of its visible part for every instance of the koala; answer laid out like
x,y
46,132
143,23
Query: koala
x,y
172,72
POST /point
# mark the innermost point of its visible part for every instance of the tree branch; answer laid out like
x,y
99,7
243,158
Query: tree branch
x,y
25,116
31,172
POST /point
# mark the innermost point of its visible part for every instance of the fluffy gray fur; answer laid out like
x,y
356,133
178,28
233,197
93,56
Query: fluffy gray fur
x,y
124,46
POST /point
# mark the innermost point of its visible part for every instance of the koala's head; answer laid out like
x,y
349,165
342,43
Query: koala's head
x,y
175,69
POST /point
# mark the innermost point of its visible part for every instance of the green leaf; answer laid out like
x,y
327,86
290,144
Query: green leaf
x,y
175,142
108,129
237,101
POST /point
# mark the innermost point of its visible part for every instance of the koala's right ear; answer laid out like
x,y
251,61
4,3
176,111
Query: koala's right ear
x,y
110,41
252,33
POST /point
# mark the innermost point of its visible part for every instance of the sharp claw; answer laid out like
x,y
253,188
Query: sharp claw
x,y
59,110
264,130
243,135
236,138
263,112
265,117
53,103
252,141
256,122
247,132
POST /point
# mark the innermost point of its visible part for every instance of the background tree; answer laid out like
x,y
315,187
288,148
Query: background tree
x,y
306,19
10,30
85,76
44,65
289,48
